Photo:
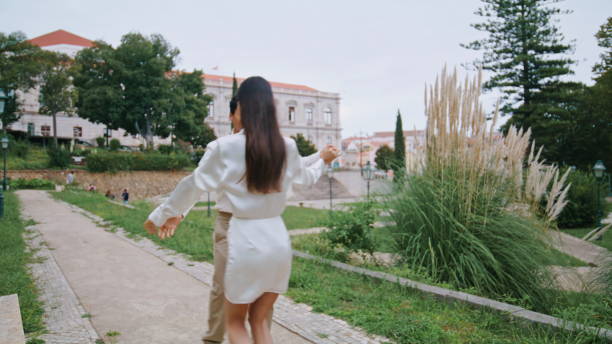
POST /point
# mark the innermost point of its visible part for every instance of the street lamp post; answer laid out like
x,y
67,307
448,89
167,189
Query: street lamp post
x,y
3,98
599,170
4,149
330,172
368,178
208,205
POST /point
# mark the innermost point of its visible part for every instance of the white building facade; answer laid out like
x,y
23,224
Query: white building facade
x,y
300,109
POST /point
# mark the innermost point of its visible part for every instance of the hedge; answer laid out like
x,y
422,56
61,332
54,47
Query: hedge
x,y
582,207
119,161
39,184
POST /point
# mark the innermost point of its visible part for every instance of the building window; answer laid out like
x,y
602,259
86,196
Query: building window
x,y
45,130
292,114
108,132
77,131
328,116
211,109
31,129
329,140
309,115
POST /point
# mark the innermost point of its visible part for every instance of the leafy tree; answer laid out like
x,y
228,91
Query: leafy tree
x,y
590,129
384,157
604,40
191,106
20,65
134,87
399,160
305,147
56,91
524,51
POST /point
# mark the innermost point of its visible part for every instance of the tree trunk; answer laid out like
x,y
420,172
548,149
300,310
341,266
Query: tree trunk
x,y
149,135
54,129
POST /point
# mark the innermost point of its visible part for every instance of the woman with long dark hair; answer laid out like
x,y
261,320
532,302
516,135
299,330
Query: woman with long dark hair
x,y
254,169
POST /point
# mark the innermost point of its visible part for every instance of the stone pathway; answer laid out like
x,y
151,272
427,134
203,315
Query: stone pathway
x,y
578,278
149,294
583,250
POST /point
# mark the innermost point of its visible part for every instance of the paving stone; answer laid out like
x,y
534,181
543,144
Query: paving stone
x,y
63,312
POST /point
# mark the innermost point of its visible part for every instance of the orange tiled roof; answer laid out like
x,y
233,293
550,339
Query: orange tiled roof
x,y
392,133
228,79
60,37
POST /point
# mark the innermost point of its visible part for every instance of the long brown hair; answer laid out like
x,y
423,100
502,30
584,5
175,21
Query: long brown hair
x,y
265,146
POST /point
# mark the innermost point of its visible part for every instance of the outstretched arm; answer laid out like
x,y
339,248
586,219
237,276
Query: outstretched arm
x,y
206,177
308,170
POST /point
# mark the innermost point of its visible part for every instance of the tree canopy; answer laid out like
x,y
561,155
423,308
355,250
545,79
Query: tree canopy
x,y
56,91
384,158
20,65
305,147
523,50
135,87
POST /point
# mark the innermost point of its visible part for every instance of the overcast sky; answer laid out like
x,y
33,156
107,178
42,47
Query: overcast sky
x,y
377,54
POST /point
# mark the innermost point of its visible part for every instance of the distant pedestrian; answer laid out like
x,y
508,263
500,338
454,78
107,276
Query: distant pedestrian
x,y
70,178
125,196
91,188
109,195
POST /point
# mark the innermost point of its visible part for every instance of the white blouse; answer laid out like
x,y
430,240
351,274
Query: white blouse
x,y
222,168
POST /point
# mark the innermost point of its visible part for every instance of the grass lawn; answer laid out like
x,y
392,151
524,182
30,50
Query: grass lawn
x,y
383,308
14,275
408,316
301,218
36,159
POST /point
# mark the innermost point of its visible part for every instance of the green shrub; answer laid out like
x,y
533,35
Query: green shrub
x,y
59,157
81,152
101,141
19,148
473,244
165,149
114,145
581,209
39,184
352,230
118,161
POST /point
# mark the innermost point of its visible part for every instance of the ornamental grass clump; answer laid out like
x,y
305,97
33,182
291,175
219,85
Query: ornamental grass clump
x,y
453,217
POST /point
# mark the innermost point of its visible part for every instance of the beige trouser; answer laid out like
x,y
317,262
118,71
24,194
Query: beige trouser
x,y
216,321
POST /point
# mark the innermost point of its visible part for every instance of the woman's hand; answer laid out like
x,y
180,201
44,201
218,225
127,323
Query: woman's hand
x,y
150,227
329,153
166,230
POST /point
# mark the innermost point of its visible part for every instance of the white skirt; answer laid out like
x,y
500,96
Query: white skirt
x,y
259,259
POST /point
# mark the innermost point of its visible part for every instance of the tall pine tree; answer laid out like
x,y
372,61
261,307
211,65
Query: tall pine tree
x,y
234,85
399,160
526,56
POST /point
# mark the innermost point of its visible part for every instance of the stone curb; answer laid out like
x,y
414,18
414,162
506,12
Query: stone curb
x,y
64,313
296,317
478,301
11,328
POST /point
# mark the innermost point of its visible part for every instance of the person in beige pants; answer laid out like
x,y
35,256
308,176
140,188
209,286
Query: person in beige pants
x,y
216,315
